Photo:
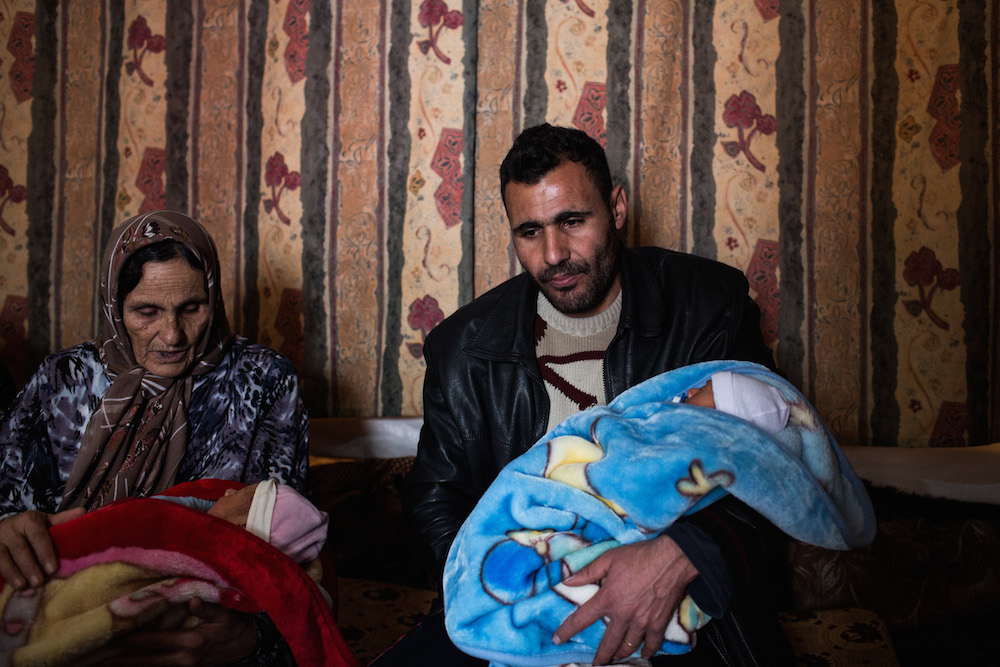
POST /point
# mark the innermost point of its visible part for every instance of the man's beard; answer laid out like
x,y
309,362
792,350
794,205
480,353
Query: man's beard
x,y
588,294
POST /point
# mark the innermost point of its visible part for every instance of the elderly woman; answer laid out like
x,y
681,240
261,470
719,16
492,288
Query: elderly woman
x,y
167,394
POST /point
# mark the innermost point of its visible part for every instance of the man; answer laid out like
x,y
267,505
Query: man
x,y
586,320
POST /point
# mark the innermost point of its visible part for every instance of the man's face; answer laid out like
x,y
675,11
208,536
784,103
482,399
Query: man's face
x,y
564,237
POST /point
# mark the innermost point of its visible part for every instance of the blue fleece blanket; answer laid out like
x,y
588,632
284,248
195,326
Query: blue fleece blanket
x,y
623,473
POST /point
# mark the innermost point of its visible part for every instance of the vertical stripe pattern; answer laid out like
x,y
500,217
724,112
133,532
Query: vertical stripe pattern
x,y
75,271
41,175
972,216
792,125
702,131
885,414
315,186
344,156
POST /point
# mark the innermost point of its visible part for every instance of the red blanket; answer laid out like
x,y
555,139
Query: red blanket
x,y
128,564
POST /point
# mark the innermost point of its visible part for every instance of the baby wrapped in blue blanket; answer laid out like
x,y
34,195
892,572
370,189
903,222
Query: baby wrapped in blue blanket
x,y
623,473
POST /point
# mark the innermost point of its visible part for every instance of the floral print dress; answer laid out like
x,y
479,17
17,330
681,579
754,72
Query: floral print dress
x,y
247,423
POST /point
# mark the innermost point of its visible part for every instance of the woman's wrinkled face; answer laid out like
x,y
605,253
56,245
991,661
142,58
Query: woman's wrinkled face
x,y
166,315
234,505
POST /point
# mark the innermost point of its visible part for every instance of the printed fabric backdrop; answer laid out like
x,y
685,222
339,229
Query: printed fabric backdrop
x,y
344,156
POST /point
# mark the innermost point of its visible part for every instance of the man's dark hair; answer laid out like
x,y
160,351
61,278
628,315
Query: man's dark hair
x,y
161,251
540,149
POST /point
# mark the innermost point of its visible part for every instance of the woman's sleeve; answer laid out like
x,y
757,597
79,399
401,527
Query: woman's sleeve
x,y
41,435
282,433
16,493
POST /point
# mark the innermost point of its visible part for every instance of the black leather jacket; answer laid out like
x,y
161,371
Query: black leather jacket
x,y
485,402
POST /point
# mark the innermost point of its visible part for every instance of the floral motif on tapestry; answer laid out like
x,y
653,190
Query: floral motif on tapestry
x,y
742,26
417,182
447,163
589,115
768,9
742,112
296,27
583,7
9,193
435,14
943,107
22,70
949,428
14,354
425,314
436,273
278,177
288,322
763,277
149,180
924,271
141,41
908,128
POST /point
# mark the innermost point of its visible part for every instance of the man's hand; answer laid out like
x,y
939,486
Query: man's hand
x,y
27,555
640,587
223,636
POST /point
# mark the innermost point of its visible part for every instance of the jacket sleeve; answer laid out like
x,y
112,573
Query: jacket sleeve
x,y
437,495
731,546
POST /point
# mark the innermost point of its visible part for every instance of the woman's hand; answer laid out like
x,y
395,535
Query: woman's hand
x,y
223,636
27,555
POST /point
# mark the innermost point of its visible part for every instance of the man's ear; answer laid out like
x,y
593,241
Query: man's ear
x,y
619,206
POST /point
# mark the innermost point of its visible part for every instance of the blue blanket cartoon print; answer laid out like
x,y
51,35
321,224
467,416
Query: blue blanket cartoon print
x,y
622,473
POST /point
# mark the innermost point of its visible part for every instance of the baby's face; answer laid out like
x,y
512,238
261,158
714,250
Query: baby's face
x,y
234,506
703,396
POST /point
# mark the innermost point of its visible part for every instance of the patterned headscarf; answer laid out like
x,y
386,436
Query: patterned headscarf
x,y
136,439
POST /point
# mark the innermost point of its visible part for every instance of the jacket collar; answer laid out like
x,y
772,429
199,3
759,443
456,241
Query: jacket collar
x,y
507,331
644,305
